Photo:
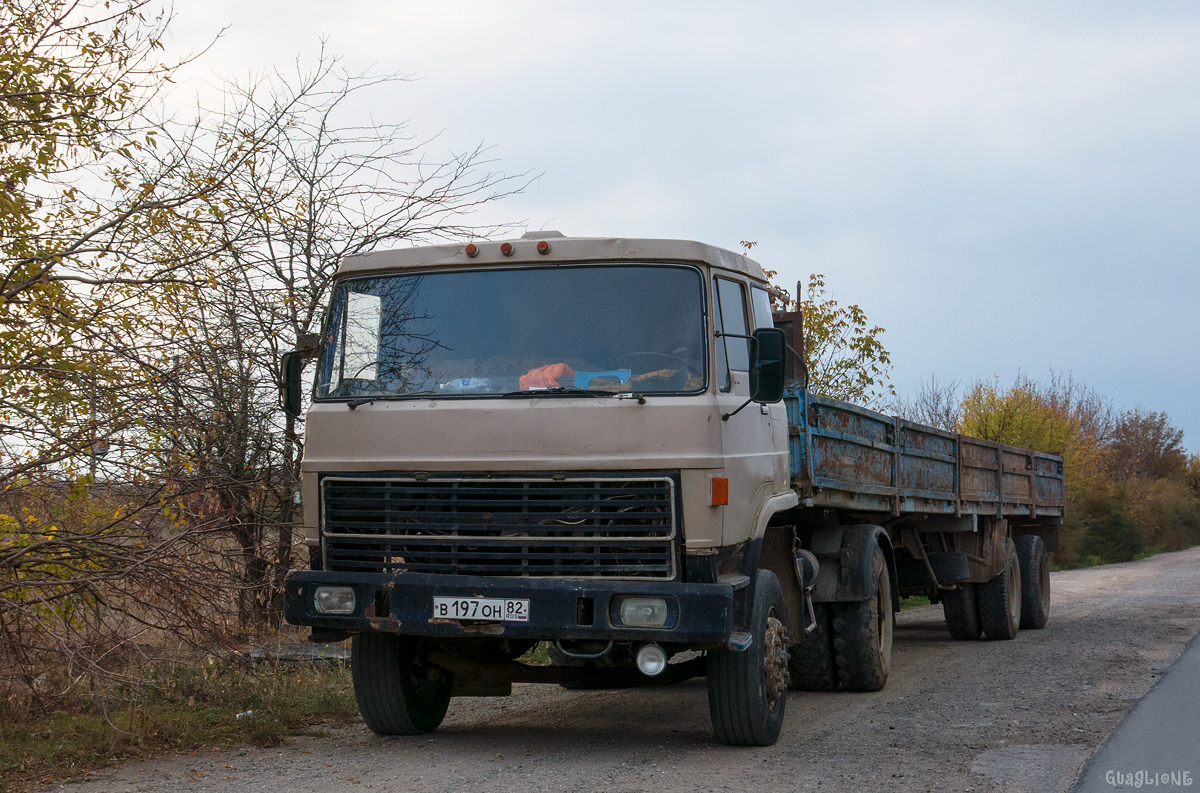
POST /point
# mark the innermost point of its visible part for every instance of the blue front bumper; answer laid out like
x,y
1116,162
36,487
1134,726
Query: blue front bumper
x,y
558,608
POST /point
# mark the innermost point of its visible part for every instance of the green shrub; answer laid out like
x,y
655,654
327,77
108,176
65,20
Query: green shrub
x,y
1112,535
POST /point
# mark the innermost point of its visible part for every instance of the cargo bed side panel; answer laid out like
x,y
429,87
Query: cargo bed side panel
x,y
851,458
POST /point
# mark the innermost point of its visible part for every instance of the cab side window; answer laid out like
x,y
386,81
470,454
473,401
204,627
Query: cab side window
x,y
733,354
761,300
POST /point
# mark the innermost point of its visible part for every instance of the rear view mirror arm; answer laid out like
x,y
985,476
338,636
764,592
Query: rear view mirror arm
x,y
726,416
753,341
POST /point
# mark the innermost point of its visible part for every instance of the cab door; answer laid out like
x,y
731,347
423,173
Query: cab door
x,y
754,440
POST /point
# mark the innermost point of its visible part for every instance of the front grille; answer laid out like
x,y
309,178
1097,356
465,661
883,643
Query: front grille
x,y
572,528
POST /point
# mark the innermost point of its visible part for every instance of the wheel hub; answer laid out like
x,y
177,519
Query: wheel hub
x,y
775,660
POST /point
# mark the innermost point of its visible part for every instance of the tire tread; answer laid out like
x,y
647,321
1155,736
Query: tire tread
x,y
384,702
993,600
1031,553
860,665
961,607
810,660
735,679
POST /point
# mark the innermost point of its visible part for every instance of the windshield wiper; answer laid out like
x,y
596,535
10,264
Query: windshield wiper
x,y
569,390
360,401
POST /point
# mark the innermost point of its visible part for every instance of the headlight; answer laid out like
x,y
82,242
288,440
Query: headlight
x,y
644,612
334,600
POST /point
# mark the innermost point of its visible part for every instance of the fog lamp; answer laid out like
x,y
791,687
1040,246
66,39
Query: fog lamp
x,y
640,612
334,600
651,660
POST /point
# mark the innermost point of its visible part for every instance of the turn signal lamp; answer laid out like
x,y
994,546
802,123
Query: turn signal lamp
x,y
720,491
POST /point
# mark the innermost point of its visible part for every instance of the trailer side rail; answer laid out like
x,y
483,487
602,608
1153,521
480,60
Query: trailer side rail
x,y
848,457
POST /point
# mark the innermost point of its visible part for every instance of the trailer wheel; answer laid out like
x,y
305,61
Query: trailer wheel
x,y
398,692
747,690
1000,598
862,634
961,607
810,660
1035,581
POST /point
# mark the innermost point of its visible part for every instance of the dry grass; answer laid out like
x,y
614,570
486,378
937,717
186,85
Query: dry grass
x,y
175,709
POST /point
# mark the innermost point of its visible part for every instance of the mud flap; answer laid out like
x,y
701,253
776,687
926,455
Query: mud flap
x,y
845,554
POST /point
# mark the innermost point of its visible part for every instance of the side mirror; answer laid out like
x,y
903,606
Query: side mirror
x,y
767,363
293,365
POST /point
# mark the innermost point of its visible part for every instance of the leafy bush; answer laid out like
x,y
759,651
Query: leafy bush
x,y
1130,487
1111,536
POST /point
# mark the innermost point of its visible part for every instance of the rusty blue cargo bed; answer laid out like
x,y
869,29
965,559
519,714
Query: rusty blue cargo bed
x,y
851,458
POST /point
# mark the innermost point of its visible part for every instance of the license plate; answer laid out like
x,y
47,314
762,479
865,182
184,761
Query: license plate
x,y
485,609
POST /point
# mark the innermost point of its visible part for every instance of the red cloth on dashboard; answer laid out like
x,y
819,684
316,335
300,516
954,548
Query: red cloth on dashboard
x,y
546,376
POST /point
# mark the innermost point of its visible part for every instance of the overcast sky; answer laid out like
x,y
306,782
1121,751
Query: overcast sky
x,y
1003,186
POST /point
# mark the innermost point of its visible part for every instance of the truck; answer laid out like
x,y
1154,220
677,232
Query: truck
x,y
607,448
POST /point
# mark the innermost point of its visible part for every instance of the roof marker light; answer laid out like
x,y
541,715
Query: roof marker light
x,y
506,248
472,250
543,247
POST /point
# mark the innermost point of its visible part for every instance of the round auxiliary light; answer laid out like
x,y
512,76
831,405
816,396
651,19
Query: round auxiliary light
x,y
651,660
543,247
472,250
506,248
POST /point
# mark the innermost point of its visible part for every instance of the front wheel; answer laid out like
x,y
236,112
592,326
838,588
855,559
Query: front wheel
x,y
397,690
747,690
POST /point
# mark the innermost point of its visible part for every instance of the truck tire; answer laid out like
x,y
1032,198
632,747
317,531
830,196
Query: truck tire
x,y
398,693
961,607
747,690
1035,581
1000,598
810,660
862,634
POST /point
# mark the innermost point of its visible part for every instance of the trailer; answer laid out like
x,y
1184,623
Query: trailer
x,y
957,510
608,447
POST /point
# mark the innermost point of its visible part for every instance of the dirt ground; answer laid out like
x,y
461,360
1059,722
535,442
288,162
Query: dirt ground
x,y
955,716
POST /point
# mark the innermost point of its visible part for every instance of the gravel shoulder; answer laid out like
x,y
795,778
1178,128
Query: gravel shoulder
x,y
955,716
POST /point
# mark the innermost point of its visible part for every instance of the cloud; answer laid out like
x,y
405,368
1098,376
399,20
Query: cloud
x,y
1001,186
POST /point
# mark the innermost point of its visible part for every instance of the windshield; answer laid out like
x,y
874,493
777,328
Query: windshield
x,y
604,329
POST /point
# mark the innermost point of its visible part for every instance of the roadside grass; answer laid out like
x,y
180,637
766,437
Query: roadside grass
x,y
537,655
1092,560
913,601
178,709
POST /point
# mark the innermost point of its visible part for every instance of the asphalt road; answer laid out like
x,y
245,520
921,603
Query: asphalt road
x,y
1022,715
1158,744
